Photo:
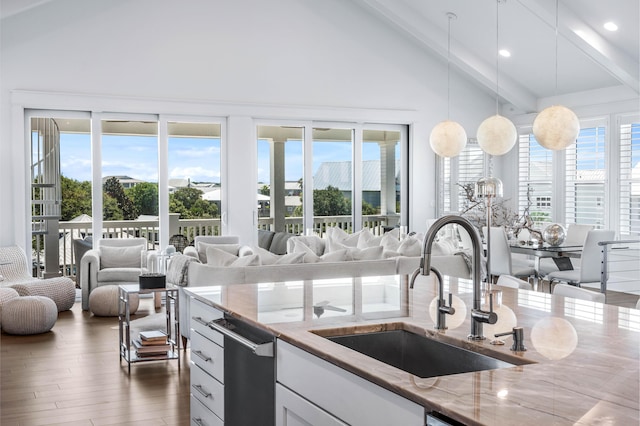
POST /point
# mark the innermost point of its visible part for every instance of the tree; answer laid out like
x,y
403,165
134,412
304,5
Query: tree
x,y
113,188
368,209
76,198
189,203
330,202
265,190
145,198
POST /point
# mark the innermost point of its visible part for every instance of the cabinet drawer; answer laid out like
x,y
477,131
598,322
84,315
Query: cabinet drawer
x,y
207,390
208,356
201,416
201,314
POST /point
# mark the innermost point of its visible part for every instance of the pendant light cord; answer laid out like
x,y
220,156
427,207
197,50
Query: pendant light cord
x,y
497,55
451,16
556,62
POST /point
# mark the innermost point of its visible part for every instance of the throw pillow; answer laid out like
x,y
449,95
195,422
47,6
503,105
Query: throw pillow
x,y
389,242
410,246
351,240
229,248
336,232
251,260
219,257
438,248
371,253
367,239
311,257
120,257
268,258
290,259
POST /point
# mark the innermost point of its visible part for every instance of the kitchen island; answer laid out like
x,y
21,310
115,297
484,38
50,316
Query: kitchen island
x,y
581,365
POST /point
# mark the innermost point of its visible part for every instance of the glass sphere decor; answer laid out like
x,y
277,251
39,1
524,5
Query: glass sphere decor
x,y
554,234
448,138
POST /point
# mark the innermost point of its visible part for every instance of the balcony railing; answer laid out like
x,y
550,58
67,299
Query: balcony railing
x,y
68,231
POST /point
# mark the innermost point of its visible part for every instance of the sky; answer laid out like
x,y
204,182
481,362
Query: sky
x,y
195,158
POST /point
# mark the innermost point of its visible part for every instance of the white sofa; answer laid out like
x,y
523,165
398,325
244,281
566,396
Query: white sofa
x,y
311,262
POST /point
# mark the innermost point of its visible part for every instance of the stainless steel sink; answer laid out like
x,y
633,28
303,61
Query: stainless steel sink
x,y
417,354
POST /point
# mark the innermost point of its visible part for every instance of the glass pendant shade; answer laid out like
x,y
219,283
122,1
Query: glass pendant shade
x,y
448,138
497,135
556,127
489,187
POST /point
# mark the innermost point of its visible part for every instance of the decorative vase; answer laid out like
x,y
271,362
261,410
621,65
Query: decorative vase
x,y
554,234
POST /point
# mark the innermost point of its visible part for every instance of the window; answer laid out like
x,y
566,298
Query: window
x,y
585,178
194,175
629,175
457,173
340,160
535,180
280,173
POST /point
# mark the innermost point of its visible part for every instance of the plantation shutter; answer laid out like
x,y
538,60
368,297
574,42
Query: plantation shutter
x,y
535,180
629,178
466,168
585,178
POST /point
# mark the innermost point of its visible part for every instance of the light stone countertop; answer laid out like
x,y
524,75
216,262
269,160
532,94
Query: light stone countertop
x,y
581,365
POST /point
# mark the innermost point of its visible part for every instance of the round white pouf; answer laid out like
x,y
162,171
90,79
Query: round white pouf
x,y
103,301
29,315
6,294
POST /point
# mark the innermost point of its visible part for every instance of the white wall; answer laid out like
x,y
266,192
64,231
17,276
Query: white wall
x,y
327,55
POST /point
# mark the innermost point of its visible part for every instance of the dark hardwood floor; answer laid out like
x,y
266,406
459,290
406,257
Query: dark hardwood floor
x,y
73,376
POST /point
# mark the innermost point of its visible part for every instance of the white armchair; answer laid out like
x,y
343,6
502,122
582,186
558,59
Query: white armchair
x,y
114,261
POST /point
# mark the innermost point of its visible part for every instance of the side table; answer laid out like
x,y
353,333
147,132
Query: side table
x,y
172,326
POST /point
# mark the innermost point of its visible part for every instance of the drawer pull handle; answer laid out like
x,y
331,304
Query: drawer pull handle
x,y
198,421
202,391
202,356
199,320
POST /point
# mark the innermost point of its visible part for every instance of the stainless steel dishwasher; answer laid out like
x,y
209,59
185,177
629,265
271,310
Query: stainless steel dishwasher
x,y
249,372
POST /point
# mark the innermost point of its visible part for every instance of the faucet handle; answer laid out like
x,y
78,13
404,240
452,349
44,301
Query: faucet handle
x,y
518,338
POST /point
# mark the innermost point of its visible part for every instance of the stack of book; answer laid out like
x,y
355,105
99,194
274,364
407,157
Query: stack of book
x,y
151,344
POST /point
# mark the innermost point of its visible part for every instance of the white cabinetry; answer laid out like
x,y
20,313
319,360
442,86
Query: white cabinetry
x,y
293,410
330,395
207,367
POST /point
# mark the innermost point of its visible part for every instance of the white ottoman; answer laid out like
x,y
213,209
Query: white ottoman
x,y
29,315
103,301
6,294
61,290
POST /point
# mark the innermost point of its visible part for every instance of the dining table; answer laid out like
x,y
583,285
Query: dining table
x,y
561,254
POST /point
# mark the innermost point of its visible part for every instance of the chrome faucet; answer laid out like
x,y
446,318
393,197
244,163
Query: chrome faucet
x,y
443,309
478,316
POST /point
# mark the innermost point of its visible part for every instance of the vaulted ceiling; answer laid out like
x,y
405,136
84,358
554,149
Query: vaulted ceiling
x,y
592,65
591,61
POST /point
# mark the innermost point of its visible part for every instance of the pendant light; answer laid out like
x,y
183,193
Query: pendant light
x,y
448,138
556,127
497,134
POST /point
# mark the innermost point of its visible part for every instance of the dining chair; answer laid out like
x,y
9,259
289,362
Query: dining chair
x,y
513,282
501,260
590,261
567,290
576,234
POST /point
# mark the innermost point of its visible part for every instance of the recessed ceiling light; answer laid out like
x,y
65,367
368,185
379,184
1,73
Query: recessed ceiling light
x,y
504,53
611,26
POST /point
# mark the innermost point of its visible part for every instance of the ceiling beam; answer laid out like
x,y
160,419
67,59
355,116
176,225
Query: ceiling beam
x,y
430,36
612,59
